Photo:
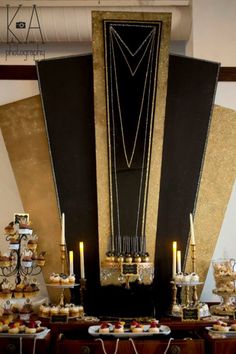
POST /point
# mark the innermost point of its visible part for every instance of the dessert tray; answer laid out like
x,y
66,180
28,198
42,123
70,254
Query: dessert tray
x,y
62,286
230,333
40,335
94,331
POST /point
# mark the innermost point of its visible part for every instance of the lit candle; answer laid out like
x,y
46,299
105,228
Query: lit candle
x,y
81,249
174,259
71,258
192,241
63,240
179,261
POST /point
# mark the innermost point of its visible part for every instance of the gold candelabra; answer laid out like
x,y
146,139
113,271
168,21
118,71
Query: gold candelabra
x,y
63,257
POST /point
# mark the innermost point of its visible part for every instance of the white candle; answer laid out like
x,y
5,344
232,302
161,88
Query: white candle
x,y
192,241
174,258
71,259
63,239
81,249
178,261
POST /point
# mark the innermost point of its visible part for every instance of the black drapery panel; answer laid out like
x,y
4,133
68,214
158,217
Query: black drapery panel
x,y
67,95
190,97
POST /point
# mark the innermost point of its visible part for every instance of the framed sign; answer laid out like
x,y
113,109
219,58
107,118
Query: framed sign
x,y
129,269
190,314
60,318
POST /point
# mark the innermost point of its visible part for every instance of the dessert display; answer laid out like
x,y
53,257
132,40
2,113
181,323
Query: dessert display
x,y
62,279
21,327
186,278
221,326
225,286
20,262
132,329
71,310
127,262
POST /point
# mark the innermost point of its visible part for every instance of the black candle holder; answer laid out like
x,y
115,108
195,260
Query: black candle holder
x,y
83,283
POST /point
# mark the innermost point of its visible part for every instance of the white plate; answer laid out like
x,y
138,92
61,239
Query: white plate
x,y
39,335
94,331
228,334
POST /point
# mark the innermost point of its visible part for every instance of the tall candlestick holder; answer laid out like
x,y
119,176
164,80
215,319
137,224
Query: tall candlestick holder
x,y
63,257
193,258
82,283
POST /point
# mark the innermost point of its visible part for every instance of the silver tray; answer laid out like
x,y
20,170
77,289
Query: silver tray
x,y
227,334
62,286
94,331
39,335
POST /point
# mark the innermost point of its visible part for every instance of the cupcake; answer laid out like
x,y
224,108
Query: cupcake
x,y
7,315
71,278
104,328
179,277
118,328
41,259
6,294
13,328
133,324
21,326
30,328
5,290
26,260
18,291
138,328
29,291
154,327
64,279
5,261
194,277
64,311
9,229
187,278
14,244
44,311
74,310
54,278
25,312
32,245
54,310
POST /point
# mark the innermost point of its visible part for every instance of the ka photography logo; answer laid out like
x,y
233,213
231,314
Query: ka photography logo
x,y
22,24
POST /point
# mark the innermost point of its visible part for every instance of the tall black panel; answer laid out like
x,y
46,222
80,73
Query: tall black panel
x,y
190,98
67,96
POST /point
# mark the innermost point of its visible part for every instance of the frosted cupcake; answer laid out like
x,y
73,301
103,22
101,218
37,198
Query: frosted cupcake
x,y
54,310
154,327
71,278
104,328
118,328
30,328
13,328
133,324
195,278
138,329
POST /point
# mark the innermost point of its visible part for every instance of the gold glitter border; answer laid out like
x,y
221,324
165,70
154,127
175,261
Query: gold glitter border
x,y
100,108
